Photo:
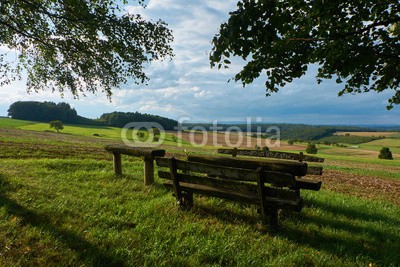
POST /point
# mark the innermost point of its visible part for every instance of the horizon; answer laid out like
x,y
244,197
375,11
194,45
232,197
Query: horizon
x,y
248,120
188,87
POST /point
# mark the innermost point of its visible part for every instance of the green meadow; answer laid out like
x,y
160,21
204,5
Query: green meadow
x,y
62,205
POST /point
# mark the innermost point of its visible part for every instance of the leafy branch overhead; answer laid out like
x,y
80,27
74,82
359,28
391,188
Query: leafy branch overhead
x,y
357,42
78,45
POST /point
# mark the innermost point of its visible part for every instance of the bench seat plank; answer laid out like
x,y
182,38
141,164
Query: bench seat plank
x,y
135,151
302,183
269,154
294,205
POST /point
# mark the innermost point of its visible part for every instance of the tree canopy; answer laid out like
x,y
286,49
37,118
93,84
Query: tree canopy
x,y
43,111
57,125
78,45
357,42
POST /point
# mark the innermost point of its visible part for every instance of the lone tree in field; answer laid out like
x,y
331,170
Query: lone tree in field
x,y
357,42
385,153
57,125
78,46
311,149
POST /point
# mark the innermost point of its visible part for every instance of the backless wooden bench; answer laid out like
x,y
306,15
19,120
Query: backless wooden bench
x,y
148,155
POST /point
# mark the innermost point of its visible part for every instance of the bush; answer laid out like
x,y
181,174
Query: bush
x,y
311,149
290,142
385,153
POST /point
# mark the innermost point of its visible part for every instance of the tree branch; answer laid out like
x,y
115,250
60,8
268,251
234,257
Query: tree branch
x,y
373,25
341,35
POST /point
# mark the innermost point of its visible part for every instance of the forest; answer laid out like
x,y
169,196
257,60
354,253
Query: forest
x,y
297,132
49,111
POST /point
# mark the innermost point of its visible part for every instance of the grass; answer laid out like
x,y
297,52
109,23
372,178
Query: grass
x,y
12,123
75,212
60,204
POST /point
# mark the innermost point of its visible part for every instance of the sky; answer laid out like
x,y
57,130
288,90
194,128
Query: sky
x,y
186,87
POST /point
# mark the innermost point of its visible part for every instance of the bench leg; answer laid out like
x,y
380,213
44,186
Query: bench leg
x,y
148,171
187,200
117,163
273,217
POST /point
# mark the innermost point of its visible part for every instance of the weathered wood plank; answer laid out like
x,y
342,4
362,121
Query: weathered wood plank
x,y
238,174
238,197
292,156
294,168
315,170
117,163
270,154
244,188
148,171
262,196
302,183
241,152
136,151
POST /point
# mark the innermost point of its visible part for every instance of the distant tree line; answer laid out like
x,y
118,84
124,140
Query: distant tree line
x,y
43,111
50,111
295,132
119,119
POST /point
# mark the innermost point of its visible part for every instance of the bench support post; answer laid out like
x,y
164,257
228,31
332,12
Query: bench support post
x,y
117,163
262,196
175,182
148,170
273,217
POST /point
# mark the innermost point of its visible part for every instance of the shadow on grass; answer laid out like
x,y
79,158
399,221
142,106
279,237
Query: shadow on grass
x,y
360,235
86,251
225,215
356,234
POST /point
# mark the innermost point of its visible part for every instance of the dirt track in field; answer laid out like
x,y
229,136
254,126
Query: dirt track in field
x,y
234,140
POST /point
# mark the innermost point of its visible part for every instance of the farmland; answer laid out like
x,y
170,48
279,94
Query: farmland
x,y
60,204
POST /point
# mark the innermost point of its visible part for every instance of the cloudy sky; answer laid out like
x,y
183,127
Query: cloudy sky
x,y
188,87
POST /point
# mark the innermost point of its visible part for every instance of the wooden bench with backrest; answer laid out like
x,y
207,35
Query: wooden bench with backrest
x,y
272,165
269,187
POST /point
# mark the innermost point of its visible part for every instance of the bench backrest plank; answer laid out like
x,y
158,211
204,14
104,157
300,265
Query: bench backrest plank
x,y
245,188
294,168
283,179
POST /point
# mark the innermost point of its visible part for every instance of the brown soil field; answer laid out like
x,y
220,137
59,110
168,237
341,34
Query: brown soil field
x,y
387,134
234,140
361,186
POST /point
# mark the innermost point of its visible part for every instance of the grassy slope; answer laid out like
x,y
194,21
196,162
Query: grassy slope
x,y
70,209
